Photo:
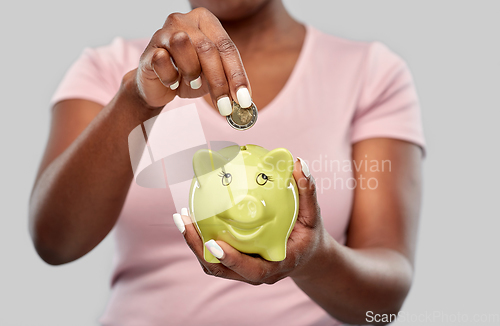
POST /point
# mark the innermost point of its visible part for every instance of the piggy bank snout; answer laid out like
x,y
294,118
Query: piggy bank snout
x,y
248,210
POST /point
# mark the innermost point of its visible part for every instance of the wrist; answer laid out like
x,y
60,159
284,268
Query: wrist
x,y
129,92
320,261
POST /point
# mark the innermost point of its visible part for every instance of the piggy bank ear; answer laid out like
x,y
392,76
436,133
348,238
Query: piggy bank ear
x,y
279,161
206,161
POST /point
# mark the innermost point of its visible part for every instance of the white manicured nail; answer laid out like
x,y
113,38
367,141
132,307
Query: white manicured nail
x,y
224,105
214,249
244,99
305,168
179,223
174,86
184,211
195,84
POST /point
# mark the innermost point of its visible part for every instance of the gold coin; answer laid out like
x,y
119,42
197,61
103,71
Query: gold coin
x,y
242,119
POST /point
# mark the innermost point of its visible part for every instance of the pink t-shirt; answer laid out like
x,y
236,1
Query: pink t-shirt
x,y
340,92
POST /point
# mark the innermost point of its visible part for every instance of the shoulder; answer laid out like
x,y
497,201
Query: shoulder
x,y
330,42
96,75
120,54
346,51
112,61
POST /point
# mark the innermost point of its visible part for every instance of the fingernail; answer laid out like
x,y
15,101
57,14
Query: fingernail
x,y
305,168
179,223
184,211
195,84
224,105
214,248
174,86
244,99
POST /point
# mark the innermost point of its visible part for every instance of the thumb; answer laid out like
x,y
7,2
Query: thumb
x,y
309,211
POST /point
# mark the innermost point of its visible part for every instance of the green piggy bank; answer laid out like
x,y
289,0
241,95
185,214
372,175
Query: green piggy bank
x,y
245,196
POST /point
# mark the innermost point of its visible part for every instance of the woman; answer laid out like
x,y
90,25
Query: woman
x,y
329,100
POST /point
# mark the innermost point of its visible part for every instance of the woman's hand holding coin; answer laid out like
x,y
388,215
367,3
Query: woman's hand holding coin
x,y
190,56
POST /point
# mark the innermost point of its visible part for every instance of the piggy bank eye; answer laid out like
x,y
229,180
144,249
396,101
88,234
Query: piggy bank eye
x,y
262,179
226,178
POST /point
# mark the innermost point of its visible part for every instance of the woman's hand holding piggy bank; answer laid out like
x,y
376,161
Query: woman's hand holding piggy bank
x,y
261,209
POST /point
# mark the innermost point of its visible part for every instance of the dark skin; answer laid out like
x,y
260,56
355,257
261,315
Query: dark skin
x,y
85,173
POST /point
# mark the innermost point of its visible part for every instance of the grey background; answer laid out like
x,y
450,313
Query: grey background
x,y
453,50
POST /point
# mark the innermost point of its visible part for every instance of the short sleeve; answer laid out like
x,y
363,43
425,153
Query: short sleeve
x,y
388,105
95,76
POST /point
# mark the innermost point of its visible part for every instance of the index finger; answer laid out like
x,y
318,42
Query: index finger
x,y
231,61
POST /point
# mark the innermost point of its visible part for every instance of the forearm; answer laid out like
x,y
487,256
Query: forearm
x,y
349,282
79,195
